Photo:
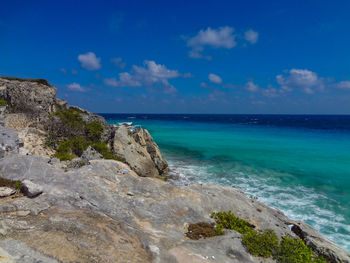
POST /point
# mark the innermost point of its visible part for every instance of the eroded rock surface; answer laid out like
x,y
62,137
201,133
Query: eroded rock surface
x,y
30,112
140,152
9,142
104,212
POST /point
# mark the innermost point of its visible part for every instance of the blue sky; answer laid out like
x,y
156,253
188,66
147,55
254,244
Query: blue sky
x,y
184,56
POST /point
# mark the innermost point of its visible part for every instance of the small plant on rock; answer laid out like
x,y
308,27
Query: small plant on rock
x,y
94,130
263,244
203,230
3,102
294,250
103,149
229,221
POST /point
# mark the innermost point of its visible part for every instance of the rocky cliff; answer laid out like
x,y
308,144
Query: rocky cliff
x,y
113,211
42,119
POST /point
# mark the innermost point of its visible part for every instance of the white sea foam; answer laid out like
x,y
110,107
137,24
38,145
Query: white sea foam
x,y
298,203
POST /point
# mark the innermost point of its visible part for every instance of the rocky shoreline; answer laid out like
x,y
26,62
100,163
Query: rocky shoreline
x,y
91,209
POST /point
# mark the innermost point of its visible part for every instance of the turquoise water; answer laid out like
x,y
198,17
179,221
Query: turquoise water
x,y
303,171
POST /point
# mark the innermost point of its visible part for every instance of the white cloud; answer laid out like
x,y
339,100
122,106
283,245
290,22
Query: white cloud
x,y
89,61
118,62
303,79
343,85
76,87
148,75
222,37
250,86
271,92
251,36
214,78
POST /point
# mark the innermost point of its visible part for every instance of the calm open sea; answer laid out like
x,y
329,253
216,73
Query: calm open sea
x,y
297,163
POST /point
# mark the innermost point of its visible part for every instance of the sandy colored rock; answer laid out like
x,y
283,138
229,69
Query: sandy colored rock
x,y
34,141
140,152
106,212
6,191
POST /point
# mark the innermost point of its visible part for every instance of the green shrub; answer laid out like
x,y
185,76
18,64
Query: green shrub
x,y
64,156
230,221
71,117
17,185
294,250
219,229
263,244
79,145
103,149
68,149
319,259
94,130
3,102
266,243
121,159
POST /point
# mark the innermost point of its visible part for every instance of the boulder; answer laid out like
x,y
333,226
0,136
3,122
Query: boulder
x,y
90,154
144,138
31,189
6,191
132,149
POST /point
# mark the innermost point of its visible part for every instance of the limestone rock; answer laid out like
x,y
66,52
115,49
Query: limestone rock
x,y
76,163
31,189
31,102
17,121
9,141
140,152
28,97
90,154
6,191
34,141
106,212
144,138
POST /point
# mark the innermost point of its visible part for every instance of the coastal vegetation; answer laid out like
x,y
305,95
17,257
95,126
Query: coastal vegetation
x,y
264,243
3,102
39,81
71,135
204,230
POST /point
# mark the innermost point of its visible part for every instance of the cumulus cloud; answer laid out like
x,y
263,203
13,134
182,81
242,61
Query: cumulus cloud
x,y
303,79
76,87
250,86
343,85
271,92
89,61
251,36
148,75
118,62
222,37
214,78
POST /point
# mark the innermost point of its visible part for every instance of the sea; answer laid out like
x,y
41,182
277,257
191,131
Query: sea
x,y
299,164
